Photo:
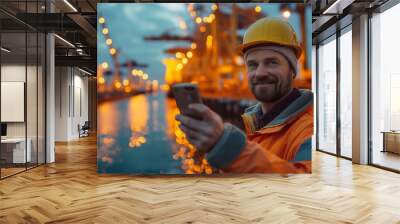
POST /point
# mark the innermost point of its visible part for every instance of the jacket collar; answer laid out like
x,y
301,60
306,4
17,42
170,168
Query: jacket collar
x,y
289,114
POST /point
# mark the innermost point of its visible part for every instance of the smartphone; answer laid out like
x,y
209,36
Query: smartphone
x,y
185,94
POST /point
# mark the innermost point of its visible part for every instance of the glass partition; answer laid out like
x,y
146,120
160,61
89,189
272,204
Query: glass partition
x,y
31,98
22,90
385,89
346,93
13,105
327,96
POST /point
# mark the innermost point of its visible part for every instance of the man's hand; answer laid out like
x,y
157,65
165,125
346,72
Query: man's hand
x,y
204,133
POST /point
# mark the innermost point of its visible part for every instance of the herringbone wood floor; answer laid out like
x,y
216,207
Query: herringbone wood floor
x,y
70,191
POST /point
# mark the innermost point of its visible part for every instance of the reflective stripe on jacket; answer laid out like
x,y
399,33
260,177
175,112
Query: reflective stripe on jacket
x,y
282,146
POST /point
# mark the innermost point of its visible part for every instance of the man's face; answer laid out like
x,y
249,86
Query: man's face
x,y
270,75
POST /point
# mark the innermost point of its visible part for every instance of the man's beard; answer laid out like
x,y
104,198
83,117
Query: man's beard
x,y
270,88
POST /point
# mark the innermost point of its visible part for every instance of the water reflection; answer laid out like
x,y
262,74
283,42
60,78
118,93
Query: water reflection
x,y
106,124
140,135
140,143
107,129
137,116
192,162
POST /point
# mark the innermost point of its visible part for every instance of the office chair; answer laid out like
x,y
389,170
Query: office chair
x,y
84,130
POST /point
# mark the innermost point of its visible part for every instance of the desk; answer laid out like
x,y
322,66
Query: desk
x,y
391,141
16,147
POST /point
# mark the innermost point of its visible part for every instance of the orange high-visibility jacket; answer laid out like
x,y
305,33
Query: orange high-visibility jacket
x,y
282,146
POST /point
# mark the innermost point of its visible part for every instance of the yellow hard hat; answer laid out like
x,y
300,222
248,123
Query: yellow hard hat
x,y
270,31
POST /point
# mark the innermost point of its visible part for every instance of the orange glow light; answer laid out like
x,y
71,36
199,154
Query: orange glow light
x,y
286,14
101,80
104,65
209,41
179,55
117,85
125,82
212,16
102,20
198,20
109,41
128,89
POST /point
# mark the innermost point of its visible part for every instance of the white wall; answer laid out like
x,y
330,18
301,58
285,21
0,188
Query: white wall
x,y
13,73
61,103
71,93
80,100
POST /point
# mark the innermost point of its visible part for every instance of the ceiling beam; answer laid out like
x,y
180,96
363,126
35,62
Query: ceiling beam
x,y
337,6
82,61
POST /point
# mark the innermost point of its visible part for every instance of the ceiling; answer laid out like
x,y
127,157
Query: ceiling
x,y
76,22
20,21
327,15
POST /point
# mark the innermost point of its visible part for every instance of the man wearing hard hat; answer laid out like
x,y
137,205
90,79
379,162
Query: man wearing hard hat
x,y
278,128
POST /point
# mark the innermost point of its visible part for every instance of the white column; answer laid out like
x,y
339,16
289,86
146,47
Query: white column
x,y
50,92
360,90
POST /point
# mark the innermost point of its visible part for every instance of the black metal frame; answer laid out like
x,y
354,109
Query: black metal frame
x,y
338,98
369,114
37,164
316,96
